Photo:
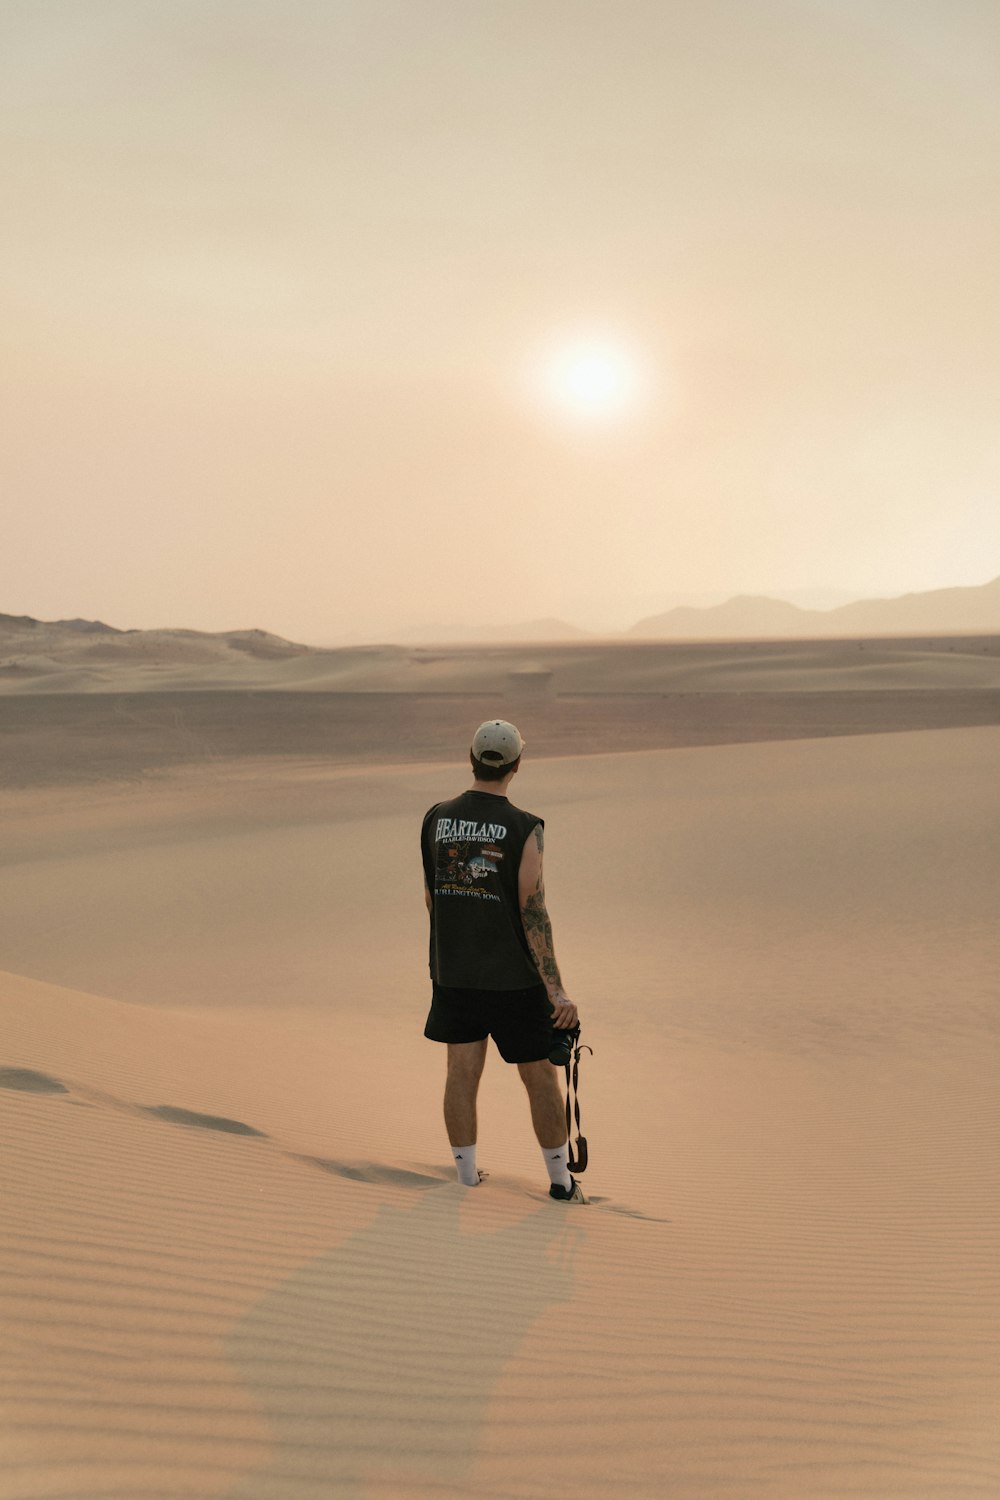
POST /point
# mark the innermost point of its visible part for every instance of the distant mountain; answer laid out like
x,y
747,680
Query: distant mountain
x,y
819,598
745,614
975,609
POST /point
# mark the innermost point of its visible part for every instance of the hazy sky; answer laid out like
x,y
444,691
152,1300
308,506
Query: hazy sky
x,y
279,277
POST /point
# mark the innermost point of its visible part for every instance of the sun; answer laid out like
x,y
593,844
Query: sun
x,y
589,380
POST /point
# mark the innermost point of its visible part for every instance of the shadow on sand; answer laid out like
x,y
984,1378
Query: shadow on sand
x,y
377,1362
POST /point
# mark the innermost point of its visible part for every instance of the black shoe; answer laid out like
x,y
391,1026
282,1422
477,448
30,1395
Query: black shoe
x,y
572,1194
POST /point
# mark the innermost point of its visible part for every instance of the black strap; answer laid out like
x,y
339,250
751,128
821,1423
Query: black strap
x,y
577,1158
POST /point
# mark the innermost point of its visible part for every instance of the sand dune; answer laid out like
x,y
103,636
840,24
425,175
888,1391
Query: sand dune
x,y
38,657
234,1263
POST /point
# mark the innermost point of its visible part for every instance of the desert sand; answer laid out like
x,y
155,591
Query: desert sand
x,y
86,657
234,1260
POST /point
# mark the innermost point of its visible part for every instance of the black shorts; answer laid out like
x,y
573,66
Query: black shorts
x,y
519,1021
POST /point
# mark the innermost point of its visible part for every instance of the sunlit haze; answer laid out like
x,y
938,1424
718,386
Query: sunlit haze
x,y
590,379
344,318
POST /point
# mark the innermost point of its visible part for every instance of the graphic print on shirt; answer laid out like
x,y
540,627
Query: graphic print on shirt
x,y
463,863
471,847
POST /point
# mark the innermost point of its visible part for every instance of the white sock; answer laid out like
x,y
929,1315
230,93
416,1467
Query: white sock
x,y
465,1162
557,1162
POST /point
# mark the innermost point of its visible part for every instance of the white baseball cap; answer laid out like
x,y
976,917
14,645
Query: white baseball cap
x,y
497,743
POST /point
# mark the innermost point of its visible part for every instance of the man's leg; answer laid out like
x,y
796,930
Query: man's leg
x,y
465,1068
548,1115
548,1111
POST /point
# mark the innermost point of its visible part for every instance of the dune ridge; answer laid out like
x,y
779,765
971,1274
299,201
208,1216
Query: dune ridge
x,y
38,657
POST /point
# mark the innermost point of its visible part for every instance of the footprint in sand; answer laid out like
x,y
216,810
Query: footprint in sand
x,y
27,1081
201,1122
610,1207
376,1174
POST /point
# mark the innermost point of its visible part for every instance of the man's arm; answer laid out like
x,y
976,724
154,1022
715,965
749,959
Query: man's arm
x,y
538,928
427,895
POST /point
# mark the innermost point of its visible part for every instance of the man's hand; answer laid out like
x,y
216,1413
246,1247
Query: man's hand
x,y
564,1012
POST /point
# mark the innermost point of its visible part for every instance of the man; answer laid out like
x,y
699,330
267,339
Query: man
x,y
493,968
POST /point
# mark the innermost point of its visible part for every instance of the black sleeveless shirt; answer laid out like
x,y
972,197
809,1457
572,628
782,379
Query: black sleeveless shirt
x,y
472,849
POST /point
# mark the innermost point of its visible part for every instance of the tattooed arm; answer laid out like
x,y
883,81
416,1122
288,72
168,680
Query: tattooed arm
x,y
538,928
